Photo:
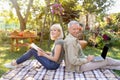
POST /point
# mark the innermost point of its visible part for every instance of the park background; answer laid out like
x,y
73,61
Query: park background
x,y
98,18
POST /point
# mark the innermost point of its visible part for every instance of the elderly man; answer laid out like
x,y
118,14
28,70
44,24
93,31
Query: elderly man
x,y
75,60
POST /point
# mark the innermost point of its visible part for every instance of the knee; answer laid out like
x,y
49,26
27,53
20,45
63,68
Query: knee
x,y
32,49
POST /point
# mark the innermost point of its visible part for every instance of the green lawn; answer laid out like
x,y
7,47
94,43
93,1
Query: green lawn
x,y
6,55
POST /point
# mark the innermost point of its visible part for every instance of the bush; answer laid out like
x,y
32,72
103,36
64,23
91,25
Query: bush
x,y
115,41
3,37
104,37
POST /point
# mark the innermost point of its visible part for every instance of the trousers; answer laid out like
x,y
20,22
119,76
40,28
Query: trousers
x,y
109,63
48,64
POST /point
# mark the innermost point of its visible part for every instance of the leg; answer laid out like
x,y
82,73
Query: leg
x,y
107,63
113,64
48,64
93,65
26,56
23,58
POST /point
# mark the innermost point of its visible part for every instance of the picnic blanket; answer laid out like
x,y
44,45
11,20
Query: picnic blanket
x,y
33,70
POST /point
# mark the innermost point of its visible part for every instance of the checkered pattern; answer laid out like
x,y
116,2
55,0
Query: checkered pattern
x,y
33,70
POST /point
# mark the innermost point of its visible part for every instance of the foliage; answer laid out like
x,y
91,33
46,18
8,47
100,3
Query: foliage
x,y
22,19
35,19
57,9
70,12
113,19
95,6
108,28
103,37
3,37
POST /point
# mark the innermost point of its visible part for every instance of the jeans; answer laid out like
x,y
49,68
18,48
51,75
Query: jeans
x,y
48,64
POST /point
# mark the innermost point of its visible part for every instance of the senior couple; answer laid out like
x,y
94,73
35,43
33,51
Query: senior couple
x,y
68,49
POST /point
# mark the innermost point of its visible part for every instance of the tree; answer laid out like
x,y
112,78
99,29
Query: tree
x,y
22,20
94,6
70,12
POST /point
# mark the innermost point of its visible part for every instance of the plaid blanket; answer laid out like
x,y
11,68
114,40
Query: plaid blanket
x,y
33,70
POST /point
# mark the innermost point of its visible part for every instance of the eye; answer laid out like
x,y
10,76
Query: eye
x,y
55,30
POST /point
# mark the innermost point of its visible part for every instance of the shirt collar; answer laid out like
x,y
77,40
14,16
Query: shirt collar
x,y
72,36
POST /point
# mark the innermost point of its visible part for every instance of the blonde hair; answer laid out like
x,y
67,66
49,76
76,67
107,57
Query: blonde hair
x,y
58,27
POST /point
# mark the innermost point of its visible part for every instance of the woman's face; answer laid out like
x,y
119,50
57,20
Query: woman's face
x,y
54,33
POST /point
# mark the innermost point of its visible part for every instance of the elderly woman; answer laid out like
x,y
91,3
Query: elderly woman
x,y
50,62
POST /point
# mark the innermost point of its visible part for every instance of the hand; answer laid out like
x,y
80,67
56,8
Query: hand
x,y
39,49
41,52
90,58
48,53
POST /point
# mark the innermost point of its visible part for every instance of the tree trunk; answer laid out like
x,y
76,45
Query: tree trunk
x,y
87,25
22,25
46,14
22,20
61,21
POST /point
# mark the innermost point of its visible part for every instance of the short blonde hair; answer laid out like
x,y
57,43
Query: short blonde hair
x,y
58,27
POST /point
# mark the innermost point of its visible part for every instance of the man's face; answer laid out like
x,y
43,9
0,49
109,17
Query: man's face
x,y
74,30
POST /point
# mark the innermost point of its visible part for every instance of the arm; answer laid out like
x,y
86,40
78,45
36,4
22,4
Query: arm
x,y
73,54
35,47
49,53
83,43
55,58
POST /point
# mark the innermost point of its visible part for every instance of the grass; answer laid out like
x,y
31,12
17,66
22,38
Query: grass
x,y
7,56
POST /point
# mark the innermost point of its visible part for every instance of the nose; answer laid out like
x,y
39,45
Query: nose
x,y
76,30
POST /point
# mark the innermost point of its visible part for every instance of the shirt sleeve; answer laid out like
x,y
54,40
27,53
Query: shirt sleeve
x,y
73,54
60,42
